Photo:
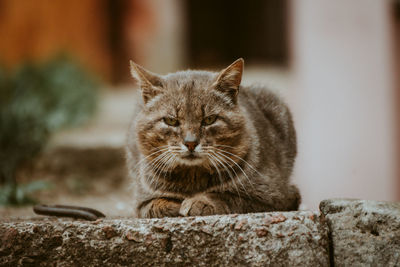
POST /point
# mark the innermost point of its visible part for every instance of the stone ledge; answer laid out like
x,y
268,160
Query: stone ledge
x,y
363,232
347,233
288,238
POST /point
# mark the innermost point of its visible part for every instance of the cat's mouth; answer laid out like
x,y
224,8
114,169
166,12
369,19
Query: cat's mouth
x,y
190,156
191,159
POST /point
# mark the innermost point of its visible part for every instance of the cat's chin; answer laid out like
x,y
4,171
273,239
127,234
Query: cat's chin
x,y
191,161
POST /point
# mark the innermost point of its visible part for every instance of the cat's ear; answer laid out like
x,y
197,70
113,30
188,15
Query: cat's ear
x,y
150,83
229,79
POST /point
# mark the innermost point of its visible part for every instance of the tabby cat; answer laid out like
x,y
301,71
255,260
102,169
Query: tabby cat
x,y
202,144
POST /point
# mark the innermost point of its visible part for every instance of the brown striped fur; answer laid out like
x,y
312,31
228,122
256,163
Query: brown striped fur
x,y
242,161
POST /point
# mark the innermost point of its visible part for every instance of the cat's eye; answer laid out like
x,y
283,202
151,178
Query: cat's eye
x,y
171,121
209,120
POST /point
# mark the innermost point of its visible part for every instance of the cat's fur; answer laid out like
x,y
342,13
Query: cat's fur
x,y
244,158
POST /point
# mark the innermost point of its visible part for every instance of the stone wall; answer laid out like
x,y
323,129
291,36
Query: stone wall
x,y
347,233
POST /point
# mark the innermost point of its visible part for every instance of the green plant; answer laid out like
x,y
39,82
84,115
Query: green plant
x,y
35,101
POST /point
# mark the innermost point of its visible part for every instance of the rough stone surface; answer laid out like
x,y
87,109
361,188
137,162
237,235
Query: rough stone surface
x,y
362,232
288,239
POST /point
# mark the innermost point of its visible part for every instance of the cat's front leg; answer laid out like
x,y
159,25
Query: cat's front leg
x,y
203,205
160,207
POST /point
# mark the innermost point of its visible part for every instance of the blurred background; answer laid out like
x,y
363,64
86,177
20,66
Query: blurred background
x,y
66,92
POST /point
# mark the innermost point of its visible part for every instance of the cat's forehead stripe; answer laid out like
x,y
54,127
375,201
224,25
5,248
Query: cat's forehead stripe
x,y
188,98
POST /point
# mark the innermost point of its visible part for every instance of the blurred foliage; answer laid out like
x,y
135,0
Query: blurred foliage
x,y
77,185
35,101
20,194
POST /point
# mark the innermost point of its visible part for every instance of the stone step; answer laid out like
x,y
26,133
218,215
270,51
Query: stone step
x,y
347,233
363,232
294,238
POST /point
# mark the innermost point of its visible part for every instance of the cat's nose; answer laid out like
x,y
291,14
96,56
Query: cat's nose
x,y
190,141
191,145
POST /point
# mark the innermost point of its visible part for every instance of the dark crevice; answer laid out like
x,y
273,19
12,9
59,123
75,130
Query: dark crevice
x,y
331,249
323,221
374,232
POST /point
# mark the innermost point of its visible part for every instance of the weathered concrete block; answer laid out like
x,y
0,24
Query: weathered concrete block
x,y
288,239
363,232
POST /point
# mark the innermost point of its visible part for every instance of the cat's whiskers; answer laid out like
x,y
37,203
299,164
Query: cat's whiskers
x,y
163,149
222,163
158,148
148,165
236,156
168,165
174,147
164,165
156,165
157,173
145,158
159,163
236,175
172,164
225,146
164,168
210,158
205,151
238,179
162,162
235,163
240,168
154,162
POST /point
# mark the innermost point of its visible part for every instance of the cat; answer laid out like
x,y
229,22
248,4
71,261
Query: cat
x,y
202,144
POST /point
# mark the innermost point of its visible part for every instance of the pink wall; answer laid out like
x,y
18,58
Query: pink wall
x,y
343,98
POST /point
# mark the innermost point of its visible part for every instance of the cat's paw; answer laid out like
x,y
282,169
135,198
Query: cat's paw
x,y
199,205
161,207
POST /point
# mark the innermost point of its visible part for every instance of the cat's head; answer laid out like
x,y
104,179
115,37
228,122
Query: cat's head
x,y
191,118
